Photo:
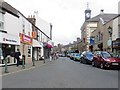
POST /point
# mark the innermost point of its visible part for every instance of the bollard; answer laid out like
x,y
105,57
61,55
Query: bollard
x,y
23,64
6,67
33,60
44,60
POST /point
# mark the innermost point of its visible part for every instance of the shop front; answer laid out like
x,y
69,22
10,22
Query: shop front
x,y
47,49
8,45
26,47
37,49
116,46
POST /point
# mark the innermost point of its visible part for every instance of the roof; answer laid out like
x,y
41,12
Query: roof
x,y
7,7
105,17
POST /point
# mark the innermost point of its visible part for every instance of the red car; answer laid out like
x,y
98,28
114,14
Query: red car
x,y
105,60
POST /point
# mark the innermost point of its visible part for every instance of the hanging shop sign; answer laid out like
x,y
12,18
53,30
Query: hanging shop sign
x,y
9,39
25,39
36,43
34,34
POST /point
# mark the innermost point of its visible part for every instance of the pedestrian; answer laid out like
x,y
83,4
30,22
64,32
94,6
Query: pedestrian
x,y
17,56
55,56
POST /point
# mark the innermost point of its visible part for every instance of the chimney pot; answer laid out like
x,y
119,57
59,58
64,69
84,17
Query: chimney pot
x,y
102,11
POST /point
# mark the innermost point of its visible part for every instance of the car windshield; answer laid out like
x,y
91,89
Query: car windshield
x,y
77,54
115,55
89,53
106,55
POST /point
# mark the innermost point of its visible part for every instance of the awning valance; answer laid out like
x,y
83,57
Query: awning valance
x,y
49,45
36,43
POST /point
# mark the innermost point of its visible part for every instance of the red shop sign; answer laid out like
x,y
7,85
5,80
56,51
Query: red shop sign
x,y
25,39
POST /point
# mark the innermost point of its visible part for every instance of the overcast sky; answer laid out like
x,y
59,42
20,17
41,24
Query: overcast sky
x,y
66,16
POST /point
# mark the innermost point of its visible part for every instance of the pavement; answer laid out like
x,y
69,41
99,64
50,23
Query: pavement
x,y
14,69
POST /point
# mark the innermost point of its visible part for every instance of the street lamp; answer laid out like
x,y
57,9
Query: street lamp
x,y
110,36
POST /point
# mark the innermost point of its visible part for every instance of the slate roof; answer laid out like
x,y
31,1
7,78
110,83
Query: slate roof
x,y
106,17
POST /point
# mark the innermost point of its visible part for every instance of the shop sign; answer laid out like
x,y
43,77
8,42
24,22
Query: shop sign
x,y
25,39
9,39
34,34
92,40
109,42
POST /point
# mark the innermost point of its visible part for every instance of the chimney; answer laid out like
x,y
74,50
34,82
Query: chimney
x,y
78,39
33,16
28,16
102,11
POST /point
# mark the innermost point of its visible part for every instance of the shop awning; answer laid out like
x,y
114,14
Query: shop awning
x,y
36,43
49,45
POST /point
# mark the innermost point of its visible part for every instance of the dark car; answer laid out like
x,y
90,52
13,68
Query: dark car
x,y
104,59
86,57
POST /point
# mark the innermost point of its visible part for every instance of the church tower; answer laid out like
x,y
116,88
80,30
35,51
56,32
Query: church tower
x,y
87,12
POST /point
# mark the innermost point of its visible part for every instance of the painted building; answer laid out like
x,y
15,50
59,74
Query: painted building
x,y
9,41
116,33
45,37
18,32
95,33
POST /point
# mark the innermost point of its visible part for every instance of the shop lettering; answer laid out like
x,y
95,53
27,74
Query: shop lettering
x,y
26,39
8,40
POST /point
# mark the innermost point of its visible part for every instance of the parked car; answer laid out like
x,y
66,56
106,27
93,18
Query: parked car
x,y
104,59
61,55
86,57
72,55
115,55
76,56
68,55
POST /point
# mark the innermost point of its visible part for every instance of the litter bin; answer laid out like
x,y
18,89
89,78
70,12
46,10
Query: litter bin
x,y
21,60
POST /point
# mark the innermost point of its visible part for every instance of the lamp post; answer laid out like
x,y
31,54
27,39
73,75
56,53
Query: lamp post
x,y
110,36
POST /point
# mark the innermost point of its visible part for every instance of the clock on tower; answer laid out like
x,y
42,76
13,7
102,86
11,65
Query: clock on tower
x,y
87,13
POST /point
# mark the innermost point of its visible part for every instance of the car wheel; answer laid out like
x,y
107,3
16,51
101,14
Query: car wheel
x,y
93,63
80,61
85,62
102,66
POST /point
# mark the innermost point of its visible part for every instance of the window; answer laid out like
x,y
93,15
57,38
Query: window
x,y
29,51
1,17
119,30
1,25
93,29
97,38
101,36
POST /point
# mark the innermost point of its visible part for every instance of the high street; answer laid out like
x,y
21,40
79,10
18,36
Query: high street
x,y
62,73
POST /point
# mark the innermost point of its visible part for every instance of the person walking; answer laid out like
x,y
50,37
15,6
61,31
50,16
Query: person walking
x,y
17,56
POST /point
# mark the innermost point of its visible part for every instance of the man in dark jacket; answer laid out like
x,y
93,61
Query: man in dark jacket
x,y
17,56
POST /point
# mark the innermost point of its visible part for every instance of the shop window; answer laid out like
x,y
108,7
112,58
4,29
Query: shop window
x,y
29,51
